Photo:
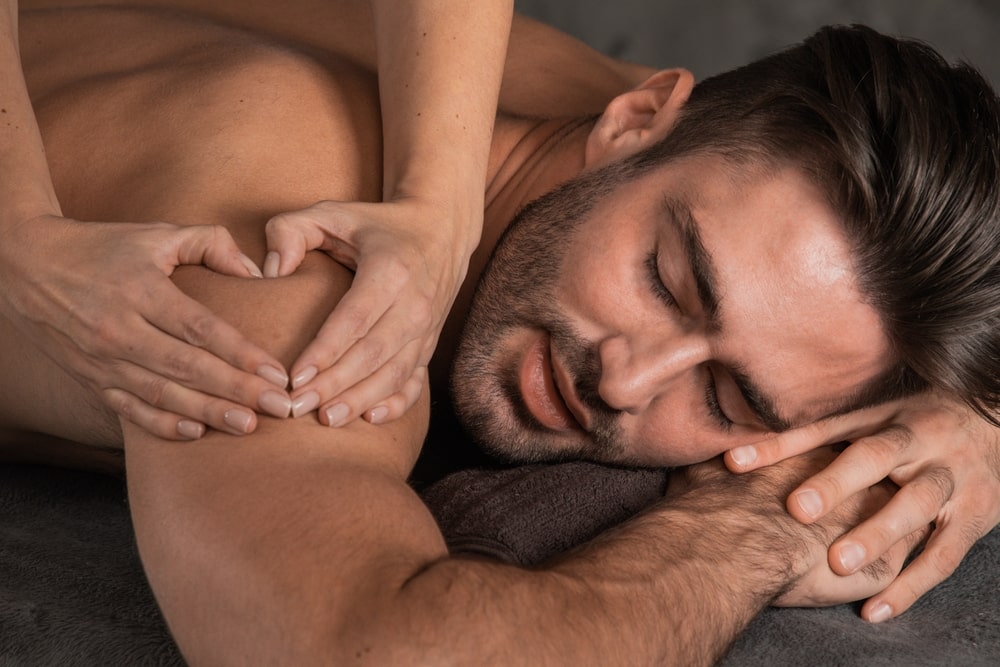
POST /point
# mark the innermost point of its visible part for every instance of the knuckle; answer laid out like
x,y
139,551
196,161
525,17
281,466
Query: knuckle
x,y
941,483
120,402
355,322
971,532
279,224
898,436
398,373
154,391
915,539
198,331
944,559
884,448
927,506
180,367
373,356
107,336
413,386
236,390
420,315
394,271
887,534
218,234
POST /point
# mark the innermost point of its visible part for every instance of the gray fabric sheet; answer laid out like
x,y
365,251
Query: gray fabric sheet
x,y
72,590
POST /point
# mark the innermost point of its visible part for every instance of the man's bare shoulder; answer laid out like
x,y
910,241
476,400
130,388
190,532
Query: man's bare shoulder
x,y
179,86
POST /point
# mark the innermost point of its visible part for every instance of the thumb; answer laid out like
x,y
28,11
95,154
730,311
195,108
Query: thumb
x,y
289,237
214,247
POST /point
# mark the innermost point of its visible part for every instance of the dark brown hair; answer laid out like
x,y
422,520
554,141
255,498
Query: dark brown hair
x,y
905,146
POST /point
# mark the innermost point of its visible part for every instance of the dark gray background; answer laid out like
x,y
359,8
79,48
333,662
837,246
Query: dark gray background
x,y
709,36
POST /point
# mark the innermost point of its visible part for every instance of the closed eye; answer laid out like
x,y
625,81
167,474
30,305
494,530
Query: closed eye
x,y
712,402
664,294
659,288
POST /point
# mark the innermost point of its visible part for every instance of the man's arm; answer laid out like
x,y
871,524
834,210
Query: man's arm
x,y
289,554
300,549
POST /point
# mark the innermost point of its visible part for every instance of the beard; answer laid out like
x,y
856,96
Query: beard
x,y
516,293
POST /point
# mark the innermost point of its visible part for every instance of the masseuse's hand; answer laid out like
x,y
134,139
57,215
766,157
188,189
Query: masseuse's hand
x,y
370,357
97,298
813,583
945,458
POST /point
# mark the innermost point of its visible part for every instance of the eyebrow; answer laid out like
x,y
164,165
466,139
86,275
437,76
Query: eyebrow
x,y
678,214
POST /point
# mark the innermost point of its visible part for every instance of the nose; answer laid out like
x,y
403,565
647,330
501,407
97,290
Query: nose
x,y
635,370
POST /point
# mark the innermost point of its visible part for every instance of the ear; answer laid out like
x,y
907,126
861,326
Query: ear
x,y
639,118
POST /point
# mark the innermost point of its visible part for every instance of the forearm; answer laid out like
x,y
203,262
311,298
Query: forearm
x,y
664,589
257,554
440,65
25,185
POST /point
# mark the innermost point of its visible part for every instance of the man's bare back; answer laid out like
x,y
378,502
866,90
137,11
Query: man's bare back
x,y
178,100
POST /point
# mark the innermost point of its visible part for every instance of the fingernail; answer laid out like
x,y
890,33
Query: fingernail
x,y
744,456
190,430
238,419
336,414
251,267
275,376
305,403
275,404
271,263
378,415
810,503
852,555
880,612
303,376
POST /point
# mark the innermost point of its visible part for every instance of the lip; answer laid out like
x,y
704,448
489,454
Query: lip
x,y
564,385
539,380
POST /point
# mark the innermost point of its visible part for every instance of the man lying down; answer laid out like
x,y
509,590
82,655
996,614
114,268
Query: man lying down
x,y
801,238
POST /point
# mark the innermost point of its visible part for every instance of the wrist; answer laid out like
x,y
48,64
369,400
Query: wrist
x,y
743,518
453,218
25,212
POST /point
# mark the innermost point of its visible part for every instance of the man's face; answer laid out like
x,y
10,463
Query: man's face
x,y
689,310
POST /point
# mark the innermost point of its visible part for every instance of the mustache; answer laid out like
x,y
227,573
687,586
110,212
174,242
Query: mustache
x,y
581,360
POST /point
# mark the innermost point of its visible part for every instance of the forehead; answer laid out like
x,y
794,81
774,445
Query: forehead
x,y
790,315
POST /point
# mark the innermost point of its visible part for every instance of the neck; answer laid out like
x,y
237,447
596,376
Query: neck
x,y
528,158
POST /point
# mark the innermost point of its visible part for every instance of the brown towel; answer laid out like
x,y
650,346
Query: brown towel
x,y
528,514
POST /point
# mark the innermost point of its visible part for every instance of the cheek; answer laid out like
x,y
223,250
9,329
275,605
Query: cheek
x,y
674,430
601,286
